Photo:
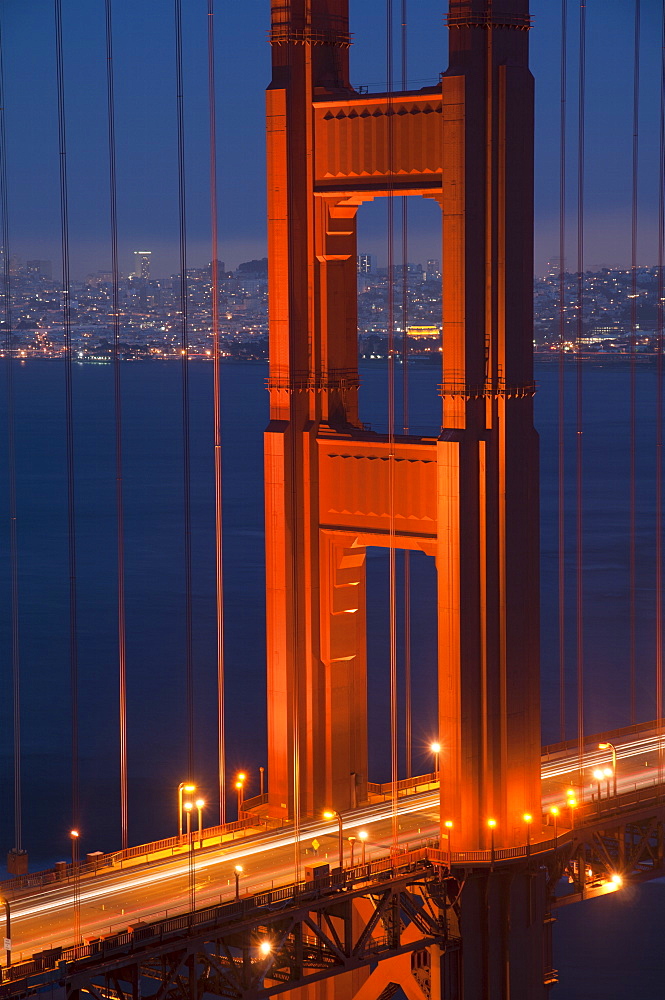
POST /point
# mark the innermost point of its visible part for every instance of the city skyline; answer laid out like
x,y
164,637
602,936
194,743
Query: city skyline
x,y
146,134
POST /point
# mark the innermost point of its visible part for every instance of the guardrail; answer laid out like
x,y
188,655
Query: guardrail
x,y
255,801
405,785
53,875
656,725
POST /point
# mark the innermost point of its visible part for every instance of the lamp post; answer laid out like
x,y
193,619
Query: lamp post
x,y
188,806
237,871
607,774
184,786
262,773
554,811
362,837
199,808
572,802
8,930
352,841
491,824
610,746
436,750
329,814
74,837
449,827
528,820
598,775
240,787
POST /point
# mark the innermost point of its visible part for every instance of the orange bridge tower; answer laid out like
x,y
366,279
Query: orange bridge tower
x,y
469,498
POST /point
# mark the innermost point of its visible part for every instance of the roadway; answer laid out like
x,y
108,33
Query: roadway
x,y
112,900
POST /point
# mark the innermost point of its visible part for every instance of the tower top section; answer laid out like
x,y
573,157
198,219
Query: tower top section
x,y
319,26
479,26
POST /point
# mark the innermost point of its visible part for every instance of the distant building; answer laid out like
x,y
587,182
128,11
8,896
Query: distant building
x,y
433,270
39,269
424,331
142,264
365,263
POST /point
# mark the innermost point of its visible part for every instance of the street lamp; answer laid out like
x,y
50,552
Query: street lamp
x,y
262,773
598,775
436,750
240,785
331,815
492,825
8,930
237,872
74,837
572,802
352,841
610,746
265,949
607,774
554,811
362,837
528,820
449,827
184,786
199,808
188,806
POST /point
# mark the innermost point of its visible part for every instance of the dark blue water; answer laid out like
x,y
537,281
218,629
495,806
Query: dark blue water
x,y
155,627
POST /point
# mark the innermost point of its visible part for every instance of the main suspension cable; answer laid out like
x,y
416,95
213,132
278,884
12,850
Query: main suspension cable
x,y
11,462
217,412
117,413
69,432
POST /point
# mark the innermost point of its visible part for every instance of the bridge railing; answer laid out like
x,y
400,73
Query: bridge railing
x,y
404,785
64,871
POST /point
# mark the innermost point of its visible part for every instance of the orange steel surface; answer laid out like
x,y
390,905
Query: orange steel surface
x,y
156,885
468,498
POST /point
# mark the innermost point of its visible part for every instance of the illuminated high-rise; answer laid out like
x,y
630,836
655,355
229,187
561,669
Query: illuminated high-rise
x,y
142,264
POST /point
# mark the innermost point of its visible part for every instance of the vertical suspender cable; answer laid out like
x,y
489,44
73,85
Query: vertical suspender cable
x,y
117,411
580,385
562,372
405,428
633,345
66,319
659,411
217,412
392,553
11,461
294,444
184,346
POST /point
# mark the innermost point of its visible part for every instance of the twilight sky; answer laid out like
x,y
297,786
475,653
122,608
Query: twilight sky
x,y
145,104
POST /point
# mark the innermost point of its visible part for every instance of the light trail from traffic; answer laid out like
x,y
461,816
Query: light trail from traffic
x,y
44,918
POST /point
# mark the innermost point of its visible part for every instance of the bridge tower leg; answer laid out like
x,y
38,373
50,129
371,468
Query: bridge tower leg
x,y
469,499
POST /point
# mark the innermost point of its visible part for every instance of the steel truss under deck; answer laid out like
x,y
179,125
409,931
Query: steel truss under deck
x,y
335,924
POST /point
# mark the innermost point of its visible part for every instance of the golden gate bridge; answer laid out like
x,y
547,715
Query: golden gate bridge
x,y
445,883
